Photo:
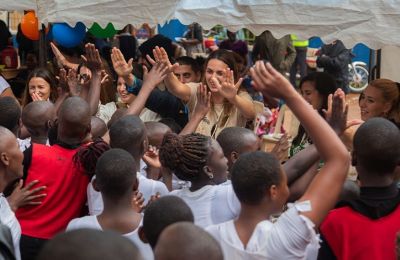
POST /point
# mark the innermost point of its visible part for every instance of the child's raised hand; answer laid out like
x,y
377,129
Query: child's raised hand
x,y
281,148
121,67
270,82
104,77
156,75
151,157
340,94
72,81
154,198
339,110
61,60
203,104
161,56
138,202
227,88
92,58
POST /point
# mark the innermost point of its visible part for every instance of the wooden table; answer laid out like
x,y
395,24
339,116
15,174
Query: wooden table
x,y
11,73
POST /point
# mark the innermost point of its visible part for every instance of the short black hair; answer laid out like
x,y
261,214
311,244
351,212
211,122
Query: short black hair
x,y
73,120
162,213
115,173
35,116
128,133
10,113
377,145
184,240
159,40
89,244
171,123
98,127
232,139
189,61
120,112
252,174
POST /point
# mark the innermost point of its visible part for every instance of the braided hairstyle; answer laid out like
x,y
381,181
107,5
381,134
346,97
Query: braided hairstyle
x,y
185,155
86,157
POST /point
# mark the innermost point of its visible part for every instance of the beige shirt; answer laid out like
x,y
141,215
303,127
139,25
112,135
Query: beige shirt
x,y
106,111
211,123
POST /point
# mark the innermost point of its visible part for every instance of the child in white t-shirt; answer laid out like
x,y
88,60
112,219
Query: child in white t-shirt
x,y
129,133
200,160
117,182
261,186
5,88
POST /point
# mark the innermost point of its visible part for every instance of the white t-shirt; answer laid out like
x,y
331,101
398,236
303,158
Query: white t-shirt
x,y
177,183
7,217
93,223
212,204
106,111
3,85
292,236
146,186
24,144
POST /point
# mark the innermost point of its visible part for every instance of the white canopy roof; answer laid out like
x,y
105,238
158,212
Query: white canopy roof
x,y
374,23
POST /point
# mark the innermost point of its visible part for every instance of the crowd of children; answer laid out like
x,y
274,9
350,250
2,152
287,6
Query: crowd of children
x,y
173,169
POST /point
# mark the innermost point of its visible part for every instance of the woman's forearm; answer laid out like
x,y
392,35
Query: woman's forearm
x,y
245,107
177,88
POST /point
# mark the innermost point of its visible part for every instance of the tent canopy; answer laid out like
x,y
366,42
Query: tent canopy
x,y
372,22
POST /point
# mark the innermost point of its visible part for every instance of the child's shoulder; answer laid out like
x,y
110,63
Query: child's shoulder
x,y
83,222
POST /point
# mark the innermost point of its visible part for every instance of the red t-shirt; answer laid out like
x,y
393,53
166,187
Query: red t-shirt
x,y
66,188
352,235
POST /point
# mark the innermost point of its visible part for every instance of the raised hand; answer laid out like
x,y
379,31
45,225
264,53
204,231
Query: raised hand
x,y
227,88
338,117
62,62
151,157
138,202
161,56
270,82
104,77
92,59
156,75
73,84
121,67
203,104
26,196
281,148
328,112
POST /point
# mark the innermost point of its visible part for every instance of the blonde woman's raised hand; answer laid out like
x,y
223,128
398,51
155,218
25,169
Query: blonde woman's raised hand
x,y
121,67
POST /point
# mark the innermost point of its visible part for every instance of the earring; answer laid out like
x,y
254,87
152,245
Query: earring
x,y
210,175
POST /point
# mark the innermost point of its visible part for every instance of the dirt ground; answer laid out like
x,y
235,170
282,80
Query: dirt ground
x,y
354,109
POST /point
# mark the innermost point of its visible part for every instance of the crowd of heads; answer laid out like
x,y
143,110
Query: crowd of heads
x,y
112,153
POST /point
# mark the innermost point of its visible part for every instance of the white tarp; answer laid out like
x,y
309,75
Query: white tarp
x,y
372,22
18,5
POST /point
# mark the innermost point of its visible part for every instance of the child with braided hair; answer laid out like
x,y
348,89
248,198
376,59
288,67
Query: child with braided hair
x,y
200,160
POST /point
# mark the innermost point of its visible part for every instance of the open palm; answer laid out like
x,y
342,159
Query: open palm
x,y
227,87
121,67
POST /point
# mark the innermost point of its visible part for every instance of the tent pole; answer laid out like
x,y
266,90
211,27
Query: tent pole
x,y
42,47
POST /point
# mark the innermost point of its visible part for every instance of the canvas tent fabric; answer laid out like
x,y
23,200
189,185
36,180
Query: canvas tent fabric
x,y
374,23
